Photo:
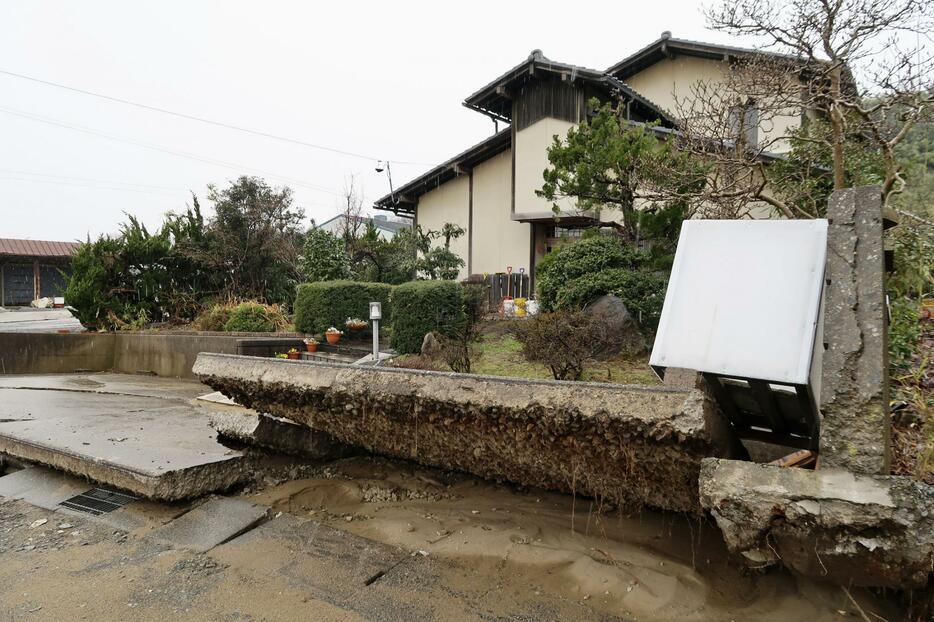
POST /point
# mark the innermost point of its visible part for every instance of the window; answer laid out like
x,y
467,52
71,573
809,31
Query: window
x,y
744,123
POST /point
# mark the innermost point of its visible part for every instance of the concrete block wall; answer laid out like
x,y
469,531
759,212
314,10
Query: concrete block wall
x,y
163,354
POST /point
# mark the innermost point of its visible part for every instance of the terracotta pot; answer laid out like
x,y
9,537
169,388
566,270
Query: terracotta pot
x,y
294,355
312,347
333,338
357,329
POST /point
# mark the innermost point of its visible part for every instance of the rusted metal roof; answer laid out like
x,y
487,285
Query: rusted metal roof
x,y
37,248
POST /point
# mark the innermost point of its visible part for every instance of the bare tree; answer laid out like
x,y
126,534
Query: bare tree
x,y
353,222
859,68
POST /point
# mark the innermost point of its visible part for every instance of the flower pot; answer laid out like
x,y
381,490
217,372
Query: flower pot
x,y
356,328
294,355
333,338
311,347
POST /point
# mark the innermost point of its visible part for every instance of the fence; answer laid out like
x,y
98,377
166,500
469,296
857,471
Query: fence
x,y
501,285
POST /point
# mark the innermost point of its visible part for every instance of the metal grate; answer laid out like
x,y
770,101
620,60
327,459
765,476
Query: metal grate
x,y
98,501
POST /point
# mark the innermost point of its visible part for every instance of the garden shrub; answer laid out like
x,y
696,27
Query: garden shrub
x,y
572,261
329,303
904,332
564,341
576,274
459,350
214,317
253,317
643,293
420,307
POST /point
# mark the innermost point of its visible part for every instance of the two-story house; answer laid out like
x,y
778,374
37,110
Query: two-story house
x,y
489,189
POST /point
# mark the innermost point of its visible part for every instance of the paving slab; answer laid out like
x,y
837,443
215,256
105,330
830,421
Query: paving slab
x,y
212,523
148,441
41,487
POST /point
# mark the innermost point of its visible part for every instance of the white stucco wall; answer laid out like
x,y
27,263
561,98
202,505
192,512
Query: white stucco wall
x,y
674,77
447,204
531,160
498,240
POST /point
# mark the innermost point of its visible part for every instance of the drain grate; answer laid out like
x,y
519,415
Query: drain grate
x,y
98,501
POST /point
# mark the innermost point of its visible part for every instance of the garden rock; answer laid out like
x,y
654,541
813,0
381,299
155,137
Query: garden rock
x,y
612,311
431,346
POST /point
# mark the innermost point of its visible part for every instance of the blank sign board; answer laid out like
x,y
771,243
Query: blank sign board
x,y
744,299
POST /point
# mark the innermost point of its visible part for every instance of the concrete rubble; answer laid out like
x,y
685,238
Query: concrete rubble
x,y
629,445
829,524
276,434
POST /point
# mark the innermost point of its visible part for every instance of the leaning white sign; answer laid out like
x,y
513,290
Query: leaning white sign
x,y
744,300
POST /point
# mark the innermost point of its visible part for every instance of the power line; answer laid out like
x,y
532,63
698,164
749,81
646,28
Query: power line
x,y
182,154
88,179
191,117
80,185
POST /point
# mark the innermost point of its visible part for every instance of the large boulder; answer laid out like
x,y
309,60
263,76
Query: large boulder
x,y
612,311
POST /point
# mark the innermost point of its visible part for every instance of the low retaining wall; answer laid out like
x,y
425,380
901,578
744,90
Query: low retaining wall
x,y
163,354
631,445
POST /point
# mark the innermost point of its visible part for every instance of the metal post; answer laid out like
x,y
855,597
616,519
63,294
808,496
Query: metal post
x,y
375,342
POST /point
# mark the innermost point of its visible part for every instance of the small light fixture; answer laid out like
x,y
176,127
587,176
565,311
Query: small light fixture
x,y
376,311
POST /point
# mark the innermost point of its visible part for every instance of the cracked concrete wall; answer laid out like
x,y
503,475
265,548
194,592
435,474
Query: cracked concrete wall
x,y
630,445
855,431
831,524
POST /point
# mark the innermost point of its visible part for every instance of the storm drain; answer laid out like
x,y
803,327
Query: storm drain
x,y
98,501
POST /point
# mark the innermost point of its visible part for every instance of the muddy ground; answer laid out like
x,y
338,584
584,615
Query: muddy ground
x,y
455,547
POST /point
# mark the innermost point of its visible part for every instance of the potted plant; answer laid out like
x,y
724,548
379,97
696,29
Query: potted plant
x,y
355,324
333,335
311,344
293,354
281,355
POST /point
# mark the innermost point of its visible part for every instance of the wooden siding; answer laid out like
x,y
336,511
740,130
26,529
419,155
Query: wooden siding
x,y
552,98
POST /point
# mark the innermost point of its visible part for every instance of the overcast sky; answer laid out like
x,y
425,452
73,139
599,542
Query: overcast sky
x,y
384,80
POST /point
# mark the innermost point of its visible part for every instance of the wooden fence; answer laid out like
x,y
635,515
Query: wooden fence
x,y
501,285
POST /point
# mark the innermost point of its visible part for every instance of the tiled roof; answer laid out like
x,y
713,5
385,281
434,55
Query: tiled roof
x,y
37,248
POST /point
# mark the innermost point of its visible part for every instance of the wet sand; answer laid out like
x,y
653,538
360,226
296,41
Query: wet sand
x,y
649,566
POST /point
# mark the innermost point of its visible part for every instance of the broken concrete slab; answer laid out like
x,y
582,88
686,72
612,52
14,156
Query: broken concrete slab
x,y
159,447
631,445
276,434
214,522
855,431
874,531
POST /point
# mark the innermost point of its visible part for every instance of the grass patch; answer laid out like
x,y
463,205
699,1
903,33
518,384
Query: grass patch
x,y
501,355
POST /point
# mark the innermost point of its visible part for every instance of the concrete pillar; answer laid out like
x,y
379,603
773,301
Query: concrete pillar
x,y
855,431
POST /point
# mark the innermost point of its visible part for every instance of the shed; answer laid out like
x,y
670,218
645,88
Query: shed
x,y
31,269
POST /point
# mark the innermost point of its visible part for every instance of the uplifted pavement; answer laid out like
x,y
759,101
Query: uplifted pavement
x,y
139,433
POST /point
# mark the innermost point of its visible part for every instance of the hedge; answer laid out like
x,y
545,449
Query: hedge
x,y
420,307
323,304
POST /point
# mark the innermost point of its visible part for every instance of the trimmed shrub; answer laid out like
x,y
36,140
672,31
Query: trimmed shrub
x,y
420,307
585,257
253,317
329,303
642,291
